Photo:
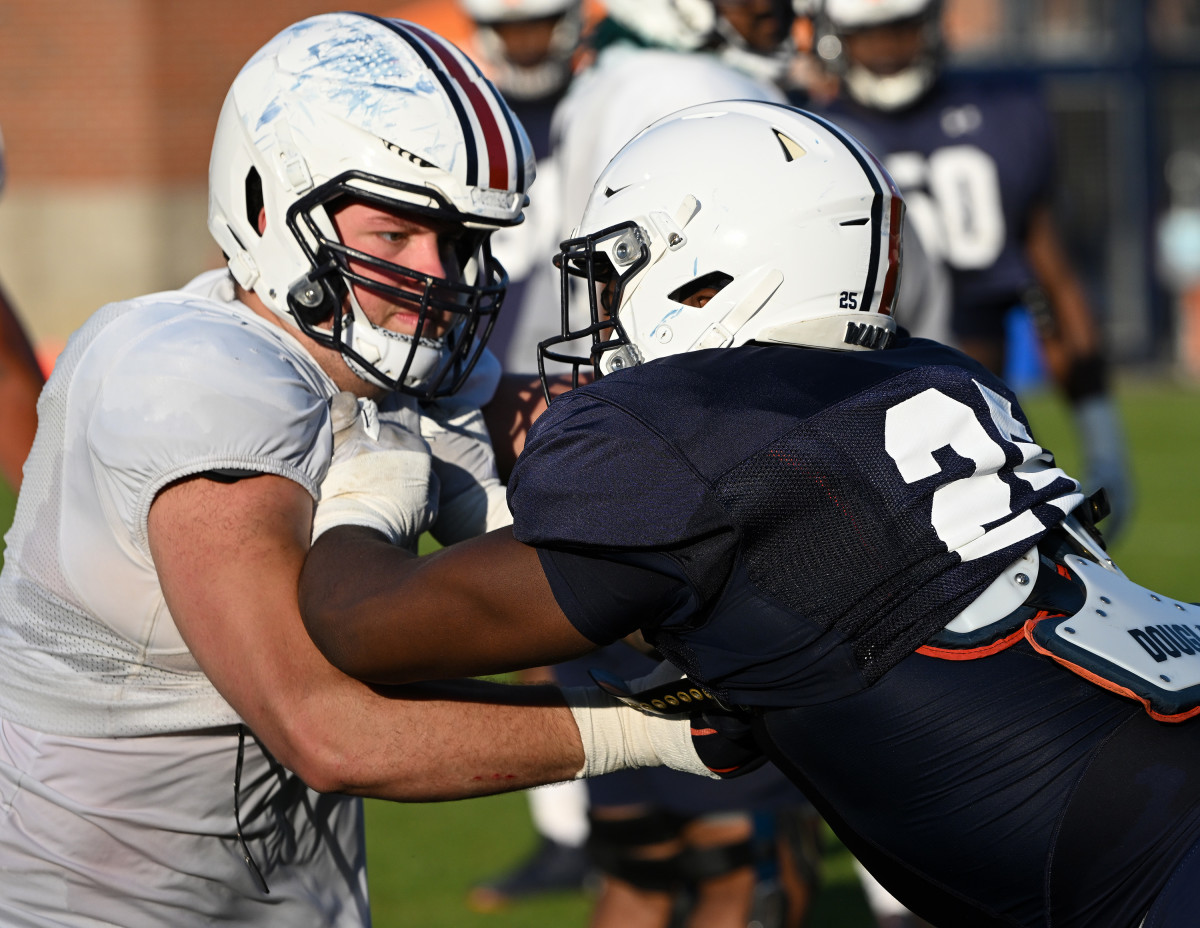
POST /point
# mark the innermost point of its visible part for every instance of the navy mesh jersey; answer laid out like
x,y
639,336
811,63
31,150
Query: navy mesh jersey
x,y
784,523
972,160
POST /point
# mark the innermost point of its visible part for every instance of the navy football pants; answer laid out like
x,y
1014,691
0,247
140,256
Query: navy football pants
x,y
1005,791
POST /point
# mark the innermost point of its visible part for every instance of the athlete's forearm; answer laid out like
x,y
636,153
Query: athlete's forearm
x,y
461,738
480,607
464,738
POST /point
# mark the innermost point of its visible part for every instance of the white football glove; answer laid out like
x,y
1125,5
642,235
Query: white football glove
x,y
471,499
379,476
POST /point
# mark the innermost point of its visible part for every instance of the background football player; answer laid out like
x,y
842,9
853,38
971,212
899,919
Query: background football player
x,y
976,163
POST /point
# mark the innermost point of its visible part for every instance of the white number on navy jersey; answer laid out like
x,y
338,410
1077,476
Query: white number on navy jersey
x,y
953,200
922,424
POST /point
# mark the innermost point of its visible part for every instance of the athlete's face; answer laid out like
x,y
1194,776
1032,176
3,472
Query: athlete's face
x,y
886,50
420,244
763,24
698,299
527,42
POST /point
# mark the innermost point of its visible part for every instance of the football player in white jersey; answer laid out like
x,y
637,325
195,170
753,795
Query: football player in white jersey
x,y
173,748
20,383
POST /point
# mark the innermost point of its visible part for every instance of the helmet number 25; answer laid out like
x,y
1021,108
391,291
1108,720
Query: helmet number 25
x,y
953,199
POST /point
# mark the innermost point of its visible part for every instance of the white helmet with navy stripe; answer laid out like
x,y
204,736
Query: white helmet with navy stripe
x,y
786,225
347,105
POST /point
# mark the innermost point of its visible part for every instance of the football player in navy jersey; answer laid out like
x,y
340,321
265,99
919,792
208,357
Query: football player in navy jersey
x,y
975,161
846,538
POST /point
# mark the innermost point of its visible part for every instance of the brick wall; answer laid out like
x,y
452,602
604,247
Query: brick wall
x,y
108,108
95,90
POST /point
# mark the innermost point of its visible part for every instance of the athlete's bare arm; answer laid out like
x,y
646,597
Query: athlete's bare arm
x,y
480,606
519,400
20,383
229,558
1075,334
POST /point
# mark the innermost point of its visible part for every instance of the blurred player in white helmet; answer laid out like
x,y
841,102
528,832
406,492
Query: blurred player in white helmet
x,y
527,46
173,749
976,163
20,383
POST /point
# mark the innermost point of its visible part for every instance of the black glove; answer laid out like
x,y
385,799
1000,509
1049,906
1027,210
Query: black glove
x,y
721,735
725,743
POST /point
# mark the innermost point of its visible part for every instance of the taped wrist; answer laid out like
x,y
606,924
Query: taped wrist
x,y
618,737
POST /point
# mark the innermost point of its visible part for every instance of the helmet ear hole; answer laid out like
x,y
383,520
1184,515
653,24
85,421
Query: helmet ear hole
x,y
713,280
254,199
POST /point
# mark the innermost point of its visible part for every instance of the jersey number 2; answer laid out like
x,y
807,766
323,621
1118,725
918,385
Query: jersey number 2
x,y
920,425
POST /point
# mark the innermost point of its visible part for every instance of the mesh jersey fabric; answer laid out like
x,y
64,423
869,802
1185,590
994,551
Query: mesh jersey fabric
x,y
117,755
822,513
146,392
141,833
780,540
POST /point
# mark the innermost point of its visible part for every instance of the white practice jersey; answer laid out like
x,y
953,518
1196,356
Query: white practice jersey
x,y
148,391
117,755
626,90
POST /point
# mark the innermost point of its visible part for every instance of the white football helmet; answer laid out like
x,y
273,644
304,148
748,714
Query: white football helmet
x,y
839,18
347,105
793,222
528,81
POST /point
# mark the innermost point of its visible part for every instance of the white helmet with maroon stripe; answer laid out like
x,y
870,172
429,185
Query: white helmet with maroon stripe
x,y
783,223
347,105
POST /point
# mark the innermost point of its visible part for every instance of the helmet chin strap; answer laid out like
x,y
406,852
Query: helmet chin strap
x,y
389,351
723,332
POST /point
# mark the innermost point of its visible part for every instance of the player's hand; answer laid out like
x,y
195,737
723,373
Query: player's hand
x,y
725,743
379,476
721,736
1104,460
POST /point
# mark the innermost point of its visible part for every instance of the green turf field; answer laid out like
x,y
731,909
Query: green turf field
x,y
423,858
